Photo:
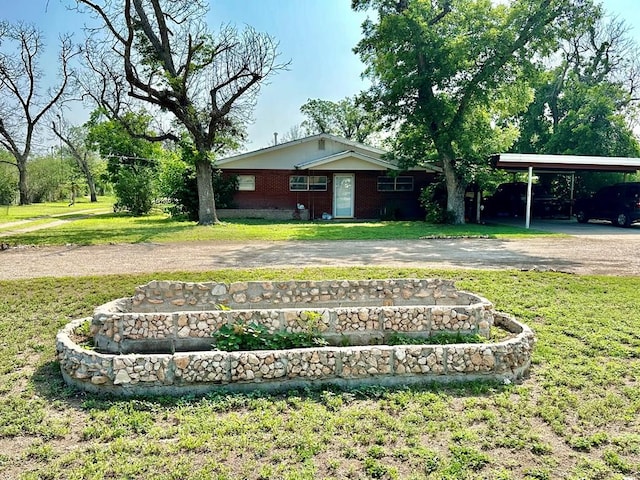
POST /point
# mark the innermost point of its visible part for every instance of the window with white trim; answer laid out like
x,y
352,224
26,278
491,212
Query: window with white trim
x,y
395,184
247,183
304,183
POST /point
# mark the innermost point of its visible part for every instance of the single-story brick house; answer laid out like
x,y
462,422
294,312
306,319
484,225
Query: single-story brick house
x,y
324,176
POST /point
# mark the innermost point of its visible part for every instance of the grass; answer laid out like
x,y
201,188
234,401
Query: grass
x,y
11,213
159,228
576,417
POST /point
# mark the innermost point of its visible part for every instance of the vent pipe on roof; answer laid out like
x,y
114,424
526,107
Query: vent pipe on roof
x,y
275,138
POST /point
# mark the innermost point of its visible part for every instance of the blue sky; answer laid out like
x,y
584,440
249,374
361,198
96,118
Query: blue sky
x,y
317,36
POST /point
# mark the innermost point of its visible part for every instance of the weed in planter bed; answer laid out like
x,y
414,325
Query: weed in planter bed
x,y
254,336
443,338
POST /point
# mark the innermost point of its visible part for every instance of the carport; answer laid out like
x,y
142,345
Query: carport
x,y
567,164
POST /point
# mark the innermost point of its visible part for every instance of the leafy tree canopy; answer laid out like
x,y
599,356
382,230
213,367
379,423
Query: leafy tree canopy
x,y
585,105
346,118
452,75
118,145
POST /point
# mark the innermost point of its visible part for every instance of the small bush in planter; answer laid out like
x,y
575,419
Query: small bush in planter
x,y
253,336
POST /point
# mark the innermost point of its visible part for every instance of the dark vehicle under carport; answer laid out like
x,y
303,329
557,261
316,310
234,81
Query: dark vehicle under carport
x,y
619,203
510,200
566,164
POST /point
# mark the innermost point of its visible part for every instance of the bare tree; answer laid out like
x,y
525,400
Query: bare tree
x,y
295,132
162,54
74,139
23,103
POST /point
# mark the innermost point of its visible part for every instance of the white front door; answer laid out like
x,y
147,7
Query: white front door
x,y
344,194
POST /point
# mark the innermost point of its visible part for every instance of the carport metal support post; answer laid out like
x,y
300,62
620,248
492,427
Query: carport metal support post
x,y
573,187
529,187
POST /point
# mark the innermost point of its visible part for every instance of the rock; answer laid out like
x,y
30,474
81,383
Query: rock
x,y
182,362
99,379
238,287
122,377
219,289
240,298
253,359
476,358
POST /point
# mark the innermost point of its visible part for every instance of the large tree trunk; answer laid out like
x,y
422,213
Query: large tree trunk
x,y
92,189
21,163
455,192
206,200
82,163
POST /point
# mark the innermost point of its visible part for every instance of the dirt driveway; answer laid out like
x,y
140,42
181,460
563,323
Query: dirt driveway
x,y
610,252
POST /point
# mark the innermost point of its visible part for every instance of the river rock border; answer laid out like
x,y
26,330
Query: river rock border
x,y
205,371
165,316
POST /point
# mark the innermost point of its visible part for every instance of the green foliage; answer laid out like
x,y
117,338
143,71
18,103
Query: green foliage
x,y
588,118
253,336
48,179
433,199
183,194
170,175
8,184
592,123
441,338
452,76
345,118
135,191
584,105
84,329
120,144
132,162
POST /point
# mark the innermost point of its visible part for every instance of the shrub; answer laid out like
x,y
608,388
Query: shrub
x,y
8,187
47,179
433,199
253,336
135,190
442,338
184,194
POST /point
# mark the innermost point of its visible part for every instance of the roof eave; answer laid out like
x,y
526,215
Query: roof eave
x,y
310,138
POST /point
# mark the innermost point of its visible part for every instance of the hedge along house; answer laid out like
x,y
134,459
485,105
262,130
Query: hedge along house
x,y
324,176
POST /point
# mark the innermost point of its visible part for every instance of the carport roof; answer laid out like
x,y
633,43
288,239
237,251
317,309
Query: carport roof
x,y
522,161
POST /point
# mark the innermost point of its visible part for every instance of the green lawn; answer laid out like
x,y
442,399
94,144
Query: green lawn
x,y
120,228
576,417
11,213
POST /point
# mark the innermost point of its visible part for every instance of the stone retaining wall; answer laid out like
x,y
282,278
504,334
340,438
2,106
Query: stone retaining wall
x,y
204,371
170,296
172,316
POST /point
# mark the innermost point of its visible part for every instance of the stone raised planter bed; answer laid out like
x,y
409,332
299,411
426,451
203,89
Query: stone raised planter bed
x,y
159,340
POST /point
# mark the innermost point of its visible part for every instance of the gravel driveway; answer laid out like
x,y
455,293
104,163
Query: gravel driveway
x,y
613,253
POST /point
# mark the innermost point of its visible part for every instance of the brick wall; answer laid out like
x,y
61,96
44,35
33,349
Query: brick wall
x,y
272,192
